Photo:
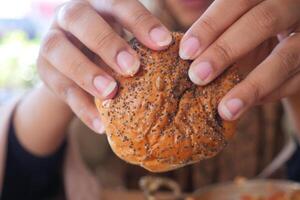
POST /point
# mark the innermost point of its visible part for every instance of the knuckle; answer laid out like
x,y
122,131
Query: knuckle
x,y
77,68
84,116
288,61
255,89
79,74
223,51
266,19
70,12
103,40
208,24
141,17
65,91
50,41
82,113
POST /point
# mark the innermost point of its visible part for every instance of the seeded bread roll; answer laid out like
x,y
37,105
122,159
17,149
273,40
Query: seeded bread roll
x,y
159,119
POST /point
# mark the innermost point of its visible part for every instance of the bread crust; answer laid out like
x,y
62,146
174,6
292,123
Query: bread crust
x,y
159,119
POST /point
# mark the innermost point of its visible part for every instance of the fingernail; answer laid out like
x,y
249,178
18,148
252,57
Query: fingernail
x,y
189,48
128,63
98,126
199,73
161,36
232,107
105,85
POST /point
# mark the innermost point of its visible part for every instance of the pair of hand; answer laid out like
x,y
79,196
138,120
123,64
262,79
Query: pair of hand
x,y
225,34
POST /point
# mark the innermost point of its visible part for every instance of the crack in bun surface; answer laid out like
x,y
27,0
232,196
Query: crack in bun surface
x,y
159,119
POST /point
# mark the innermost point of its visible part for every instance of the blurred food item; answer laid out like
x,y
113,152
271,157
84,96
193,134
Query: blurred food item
x,y
151,185
280,195
240,180
161,188
251,190
159,119
296,195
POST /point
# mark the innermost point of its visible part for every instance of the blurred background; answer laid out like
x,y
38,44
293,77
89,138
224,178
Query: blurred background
x,y
22,25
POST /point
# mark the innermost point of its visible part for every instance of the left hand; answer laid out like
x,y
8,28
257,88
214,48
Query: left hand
x,y
228,31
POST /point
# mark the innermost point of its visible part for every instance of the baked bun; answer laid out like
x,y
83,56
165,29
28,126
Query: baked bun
x,y
159,119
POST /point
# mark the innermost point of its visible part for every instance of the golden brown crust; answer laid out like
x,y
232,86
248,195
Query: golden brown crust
x,y
159,119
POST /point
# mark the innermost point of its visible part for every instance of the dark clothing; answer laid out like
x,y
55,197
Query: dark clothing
x,y
28,176
293,166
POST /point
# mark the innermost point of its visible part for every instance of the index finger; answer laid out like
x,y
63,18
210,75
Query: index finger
x,y
256,26
212,24
271,74
138,20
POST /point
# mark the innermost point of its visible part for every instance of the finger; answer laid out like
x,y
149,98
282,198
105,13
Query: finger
x,y
79,101
282,63
211,24
291,86
94,32
138,20
70,61
260,23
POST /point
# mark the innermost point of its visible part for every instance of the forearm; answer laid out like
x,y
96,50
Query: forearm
x,y
41,121
292,106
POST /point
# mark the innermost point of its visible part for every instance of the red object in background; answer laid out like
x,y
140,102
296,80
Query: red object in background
x,y
45,8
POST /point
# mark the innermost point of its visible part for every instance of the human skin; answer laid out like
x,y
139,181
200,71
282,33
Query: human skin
x,y
72,80
217,40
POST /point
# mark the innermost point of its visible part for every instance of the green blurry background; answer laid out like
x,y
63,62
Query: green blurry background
x,y
22,25
17,60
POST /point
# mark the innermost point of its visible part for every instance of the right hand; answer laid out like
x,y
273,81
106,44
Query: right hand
x,y
83,28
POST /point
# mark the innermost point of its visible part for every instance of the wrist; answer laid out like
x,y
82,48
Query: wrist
x,y
41,120
51,99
